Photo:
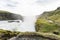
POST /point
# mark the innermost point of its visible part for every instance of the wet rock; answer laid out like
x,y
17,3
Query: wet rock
x,y
30,37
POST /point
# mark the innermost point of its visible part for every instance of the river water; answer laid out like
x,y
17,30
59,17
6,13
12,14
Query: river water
x,y
28,25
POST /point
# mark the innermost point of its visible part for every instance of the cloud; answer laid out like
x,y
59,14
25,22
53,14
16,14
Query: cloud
x,y
29,7
7,4
46,1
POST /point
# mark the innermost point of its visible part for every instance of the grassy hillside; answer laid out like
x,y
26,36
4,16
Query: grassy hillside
x,y
49,22
5,15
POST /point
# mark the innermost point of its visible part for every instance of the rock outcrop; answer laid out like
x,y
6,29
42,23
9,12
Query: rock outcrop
x,y
32,36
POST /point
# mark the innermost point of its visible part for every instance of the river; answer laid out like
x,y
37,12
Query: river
x,y
28,25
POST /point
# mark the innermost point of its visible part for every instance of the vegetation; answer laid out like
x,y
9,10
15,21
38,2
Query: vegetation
x,y
4,15
49,22
5,34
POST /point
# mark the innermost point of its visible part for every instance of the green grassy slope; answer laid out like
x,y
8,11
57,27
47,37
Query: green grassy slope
x,y
49,22
5,15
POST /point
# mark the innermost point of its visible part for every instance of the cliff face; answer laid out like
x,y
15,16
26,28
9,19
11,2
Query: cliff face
x,y
4,15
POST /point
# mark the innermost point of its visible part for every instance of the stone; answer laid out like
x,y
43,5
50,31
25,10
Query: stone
x,y
30,37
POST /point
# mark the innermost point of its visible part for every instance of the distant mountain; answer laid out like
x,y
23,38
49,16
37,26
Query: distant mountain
x,y
5,15
49,21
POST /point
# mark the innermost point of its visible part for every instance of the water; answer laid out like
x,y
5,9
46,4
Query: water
x,y
9,25
28,25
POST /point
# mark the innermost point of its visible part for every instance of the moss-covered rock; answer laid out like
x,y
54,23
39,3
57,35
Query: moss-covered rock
x,y
36,36
5,34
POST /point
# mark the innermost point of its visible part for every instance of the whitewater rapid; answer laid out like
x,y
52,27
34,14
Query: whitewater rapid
x,y
28,25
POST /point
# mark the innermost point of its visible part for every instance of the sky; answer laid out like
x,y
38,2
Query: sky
x,y
29,7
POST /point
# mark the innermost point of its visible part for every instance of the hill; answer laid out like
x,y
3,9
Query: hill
x,y
5,15
49,22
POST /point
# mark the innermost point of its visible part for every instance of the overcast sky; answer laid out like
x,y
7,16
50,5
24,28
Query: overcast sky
x,y
29,7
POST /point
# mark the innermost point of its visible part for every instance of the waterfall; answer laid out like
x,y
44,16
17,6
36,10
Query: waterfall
x,y
28,25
